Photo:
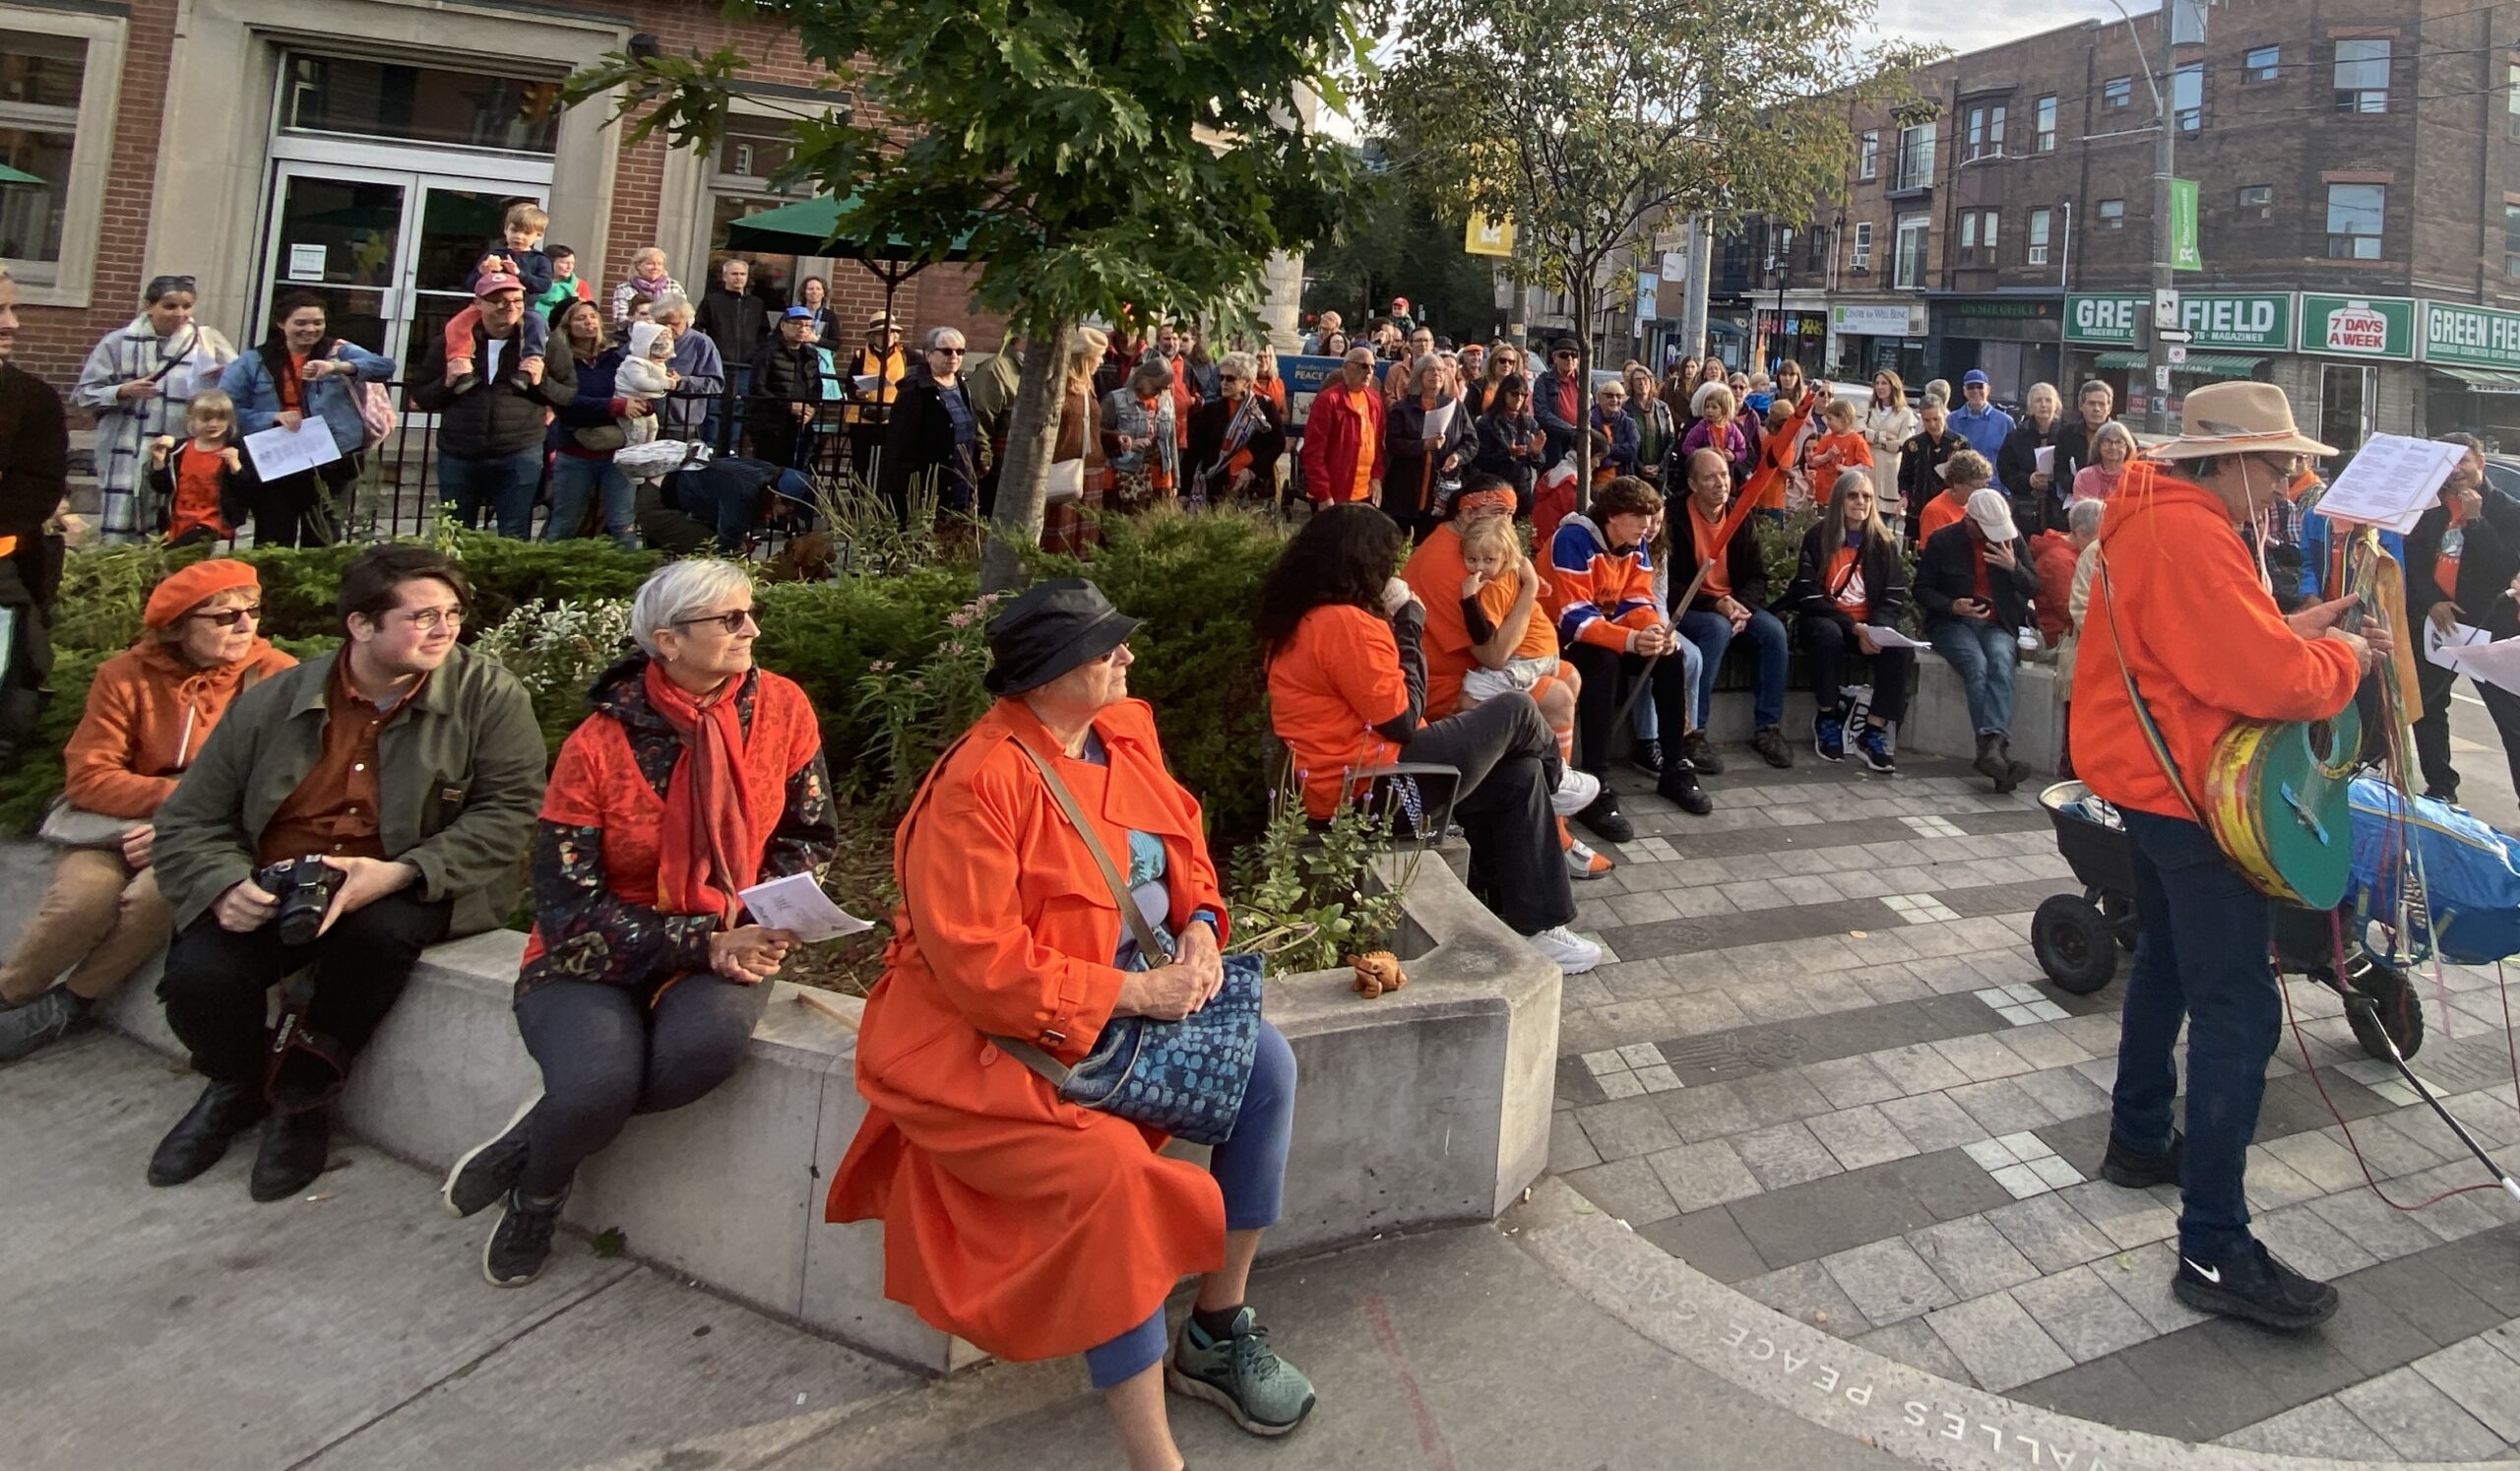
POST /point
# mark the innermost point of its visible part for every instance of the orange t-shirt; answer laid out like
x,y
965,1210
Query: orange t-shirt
x,y
1941,511
1496,600
1436,573
1702,539
196,480
1333,683
1368,447
1832,454
1843,583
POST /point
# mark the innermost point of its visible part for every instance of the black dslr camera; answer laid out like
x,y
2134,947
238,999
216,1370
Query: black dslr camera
x,y
304,887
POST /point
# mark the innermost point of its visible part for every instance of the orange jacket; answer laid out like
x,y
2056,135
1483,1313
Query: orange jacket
x,y
2053,553
147,714
1031,1227
2203,641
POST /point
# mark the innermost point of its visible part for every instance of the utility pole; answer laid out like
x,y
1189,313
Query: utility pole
x,y
2165,167
1693,341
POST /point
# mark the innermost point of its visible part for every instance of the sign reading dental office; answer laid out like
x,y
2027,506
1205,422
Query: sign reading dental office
x,y
2260,321
2476,337
2366,327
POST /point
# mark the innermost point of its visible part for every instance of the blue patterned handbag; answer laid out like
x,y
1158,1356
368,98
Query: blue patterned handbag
x,y
1183,1077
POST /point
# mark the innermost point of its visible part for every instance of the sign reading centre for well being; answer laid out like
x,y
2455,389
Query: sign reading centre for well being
x,y
2257,321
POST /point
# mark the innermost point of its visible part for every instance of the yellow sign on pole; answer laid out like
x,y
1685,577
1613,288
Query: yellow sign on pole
x,y
1487,236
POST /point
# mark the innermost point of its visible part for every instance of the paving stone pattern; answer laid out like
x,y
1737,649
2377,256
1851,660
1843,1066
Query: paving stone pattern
x,y
1826,1069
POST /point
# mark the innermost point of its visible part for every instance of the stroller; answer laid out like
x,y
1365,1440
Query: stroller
x,y
2076,937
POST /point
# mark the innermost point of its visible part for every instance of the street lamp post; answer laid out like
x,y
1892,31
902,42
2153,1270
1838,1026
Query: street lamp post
x,y
1783,267
2164,165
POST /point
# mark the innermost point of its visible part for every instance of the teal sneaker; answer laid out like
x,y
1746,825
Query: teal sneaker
x,y
1241,1376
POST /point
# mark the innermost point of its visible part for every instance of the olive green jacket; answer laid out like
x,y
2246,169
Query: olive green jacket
x,y
459,783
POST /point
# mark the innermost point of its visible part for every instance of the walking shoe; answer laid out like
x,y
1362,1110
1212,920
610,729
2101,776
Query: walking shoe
x,y
1583,863
2255,1286
1990,764
490,1168
2015,772
1874,746
42,1022
1701,753
1646,755
1240,1374
295,1147
521,1243
461,384
222,1112
2122,1165
1576,791
1678,785
1829,735
1606,820
1573,953
1769,742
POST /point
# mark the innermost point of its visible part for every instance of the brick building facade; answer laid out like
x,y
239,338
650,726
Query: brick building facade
x,y
367,149
2358,164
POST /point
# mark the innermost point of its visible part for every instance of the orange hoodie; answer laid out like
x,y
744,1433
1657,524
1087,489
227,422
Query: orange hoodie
x,y
147,714
2203,641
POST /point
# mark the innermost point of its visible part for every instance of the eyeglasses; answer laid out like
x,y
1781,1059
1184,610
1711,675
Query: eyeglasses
x,y
432,619
730,623
950,352
1229,378
230,618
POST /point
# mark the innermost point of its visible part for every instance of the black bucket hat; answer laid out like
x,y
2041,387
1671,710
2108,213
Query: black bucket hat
x,y
1051,629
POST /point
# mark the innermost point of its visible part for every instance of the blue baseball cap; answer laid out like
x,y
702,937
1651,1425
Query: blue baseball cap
x,y
1973,376
799,314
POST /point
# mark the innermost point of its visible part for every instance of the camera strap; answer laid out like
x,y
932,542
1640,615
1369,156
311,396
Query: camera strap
x,y
287,1088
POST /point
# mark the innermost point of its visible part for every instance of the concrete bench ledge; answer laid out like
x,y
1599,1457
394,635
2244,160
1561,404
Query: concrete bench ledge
x,y
1425,1108
1937,722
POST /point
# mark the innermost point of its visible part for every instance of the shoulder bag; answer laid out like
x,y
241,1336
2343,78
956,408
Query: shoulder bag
x,y
1185,1078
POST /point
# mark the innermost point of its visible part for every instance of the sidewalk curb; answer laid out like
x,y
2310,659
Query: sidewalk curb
x,y
1827,1382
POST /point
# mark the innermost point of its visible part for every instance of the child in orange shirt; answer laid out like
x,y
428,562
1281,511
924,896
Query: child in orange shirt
x,y
1837,451
1502,581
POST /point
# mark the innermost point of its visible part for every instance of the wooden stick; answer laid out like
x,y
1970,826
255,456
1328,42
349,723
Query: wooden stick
x,y
1645,676
819,1001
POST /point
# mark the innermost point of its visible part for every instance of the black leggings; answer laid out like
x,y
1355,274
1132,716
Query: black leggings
x,y
1831,650
1600,670
606,1055
1508,764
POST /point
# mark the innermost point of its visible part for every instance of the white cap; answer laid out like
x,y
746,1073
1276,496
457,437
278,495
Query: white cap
x,y
1994,514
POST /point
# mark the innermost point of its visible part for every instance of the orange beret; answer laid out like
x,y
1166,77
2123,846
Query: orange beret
x,y
194,586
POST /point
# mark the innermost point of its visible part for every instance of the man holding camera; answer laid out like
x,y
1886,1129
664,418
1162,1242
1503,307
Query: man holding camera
x,y
348,814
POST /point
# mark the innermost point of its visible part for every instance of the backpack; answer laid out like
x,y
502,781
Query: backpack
x,y
377,416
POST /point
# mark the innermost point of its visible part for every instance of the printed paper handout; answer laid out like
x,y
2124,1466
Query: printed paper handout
x,y
2392,482
797,902
279,450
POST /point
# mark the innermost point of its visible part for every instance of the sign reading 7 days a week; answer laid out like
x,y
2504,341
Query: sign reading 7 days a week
x,y
2368,327
2260,321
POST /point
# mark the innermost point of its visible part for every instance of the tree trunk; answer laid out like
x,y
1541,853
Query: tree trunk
x,y
1582,297
1024,482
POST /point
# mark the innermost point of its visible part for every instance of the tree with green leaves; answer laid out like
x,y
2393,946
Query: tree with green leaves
x,y
1126,160
1593,123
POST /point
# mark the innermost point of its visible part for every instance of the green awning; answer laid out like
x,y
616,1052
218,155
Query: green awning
x,y
2199,364
10,175
2478,380
820,226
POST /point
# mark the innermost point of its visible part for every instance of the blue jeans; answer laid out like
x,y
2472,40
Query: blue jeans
x,y
1712,635
1252,1172
2200,953
1983,655
573,479
496,485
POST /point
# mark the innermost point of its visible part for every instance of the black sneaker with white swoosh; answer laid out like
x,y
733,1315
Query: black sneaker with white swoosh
x,y
2255,1286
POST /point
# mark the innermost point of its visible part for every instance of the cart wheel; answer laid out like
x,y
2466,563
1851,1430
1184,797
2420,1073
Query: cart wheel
x,y
2073,944
2401,1011
2119,910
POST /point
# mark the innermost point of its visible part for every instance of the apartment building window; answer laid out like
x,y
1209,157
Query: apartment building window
x,y
2188,97
2113,214
2354,215
1868,155
1815,252
2042,225
2363,75
2262,64
1987,131
1910,274
2511,239
2257,202
1978,234
1863,245
58,90
1916,157
2045,141
2116,94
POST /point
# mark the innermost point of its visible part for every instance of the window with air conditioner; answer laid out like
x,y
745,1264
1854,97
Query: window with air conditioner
x,y
2363,75
1909,271
2116,94
2355,212
1864,245
2262,64
2113,214
1868,154
2041,224
2045,142
2255,202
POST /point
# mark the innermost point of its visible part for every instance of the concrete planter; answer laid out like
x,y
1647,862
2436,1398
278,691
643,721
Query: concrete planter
x,y
1425,1107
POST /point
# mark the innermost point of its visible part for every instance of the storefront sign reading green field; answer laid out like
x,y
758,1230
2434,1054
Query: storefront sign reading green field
x,y
2258,321
2476,337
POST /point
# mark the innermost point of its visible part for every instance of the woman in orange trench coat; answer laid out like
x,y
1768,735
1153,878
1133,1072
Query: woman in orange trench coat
x,y
1029,1226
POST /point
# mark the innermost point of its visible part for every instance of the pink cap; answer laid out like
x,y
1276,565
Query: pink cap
x,y
495,282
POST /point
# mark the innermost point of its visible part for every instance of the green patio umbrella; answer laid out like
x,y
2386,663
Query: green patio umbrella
x,y
821,226
10,175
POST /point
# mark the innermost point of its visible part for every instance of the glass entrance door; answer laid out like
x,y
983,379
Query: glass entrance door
x,y
455,222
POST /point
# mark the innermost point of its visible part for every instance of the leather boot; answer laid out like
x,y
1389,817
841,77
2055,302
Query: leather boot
x,y
294,1149
1990,764
2015,772
222,1112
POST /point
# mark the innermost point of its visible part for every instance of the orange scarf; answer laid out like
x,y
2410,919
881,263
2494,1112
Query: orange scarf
x,y
709,846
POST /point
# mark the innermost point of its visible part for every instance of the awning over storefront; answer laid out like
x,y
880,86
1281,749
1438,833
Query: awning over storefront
x,y
2199,364
2477,380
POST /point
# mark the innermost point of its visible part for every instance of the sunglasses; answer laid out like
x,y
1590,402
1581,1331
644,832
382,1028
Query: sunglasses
x,y
230,618
730,623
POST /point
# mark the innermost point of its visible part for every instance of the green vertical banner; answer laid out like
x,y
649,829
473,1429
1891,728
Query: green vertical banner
x,y
2185,253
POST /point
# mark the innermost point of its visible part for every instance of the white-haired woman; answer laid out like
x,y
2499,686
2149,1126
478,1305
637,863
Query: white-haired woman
x,y
697,373
698,776
649,280
2037,501
1235,437
2113,449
